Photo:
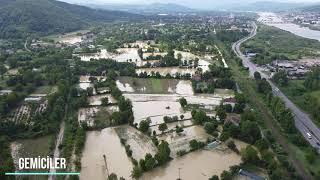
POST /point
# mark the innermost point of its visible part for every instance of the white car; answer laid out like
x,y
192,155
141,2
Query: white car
x,y
309,135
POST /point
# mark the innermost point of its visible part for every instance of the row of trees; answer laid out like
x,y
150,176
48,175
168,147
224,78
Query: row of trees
x,y
149,162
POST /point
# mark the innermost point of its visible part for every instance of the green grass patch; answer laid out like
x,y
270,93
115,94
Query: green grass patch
x,y
298,94
156,85
272,43
300,154
44,90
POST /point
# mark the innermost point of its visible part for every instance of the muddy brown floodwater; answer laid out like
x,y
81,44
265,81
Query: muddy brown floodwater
x,y
99,143
198,165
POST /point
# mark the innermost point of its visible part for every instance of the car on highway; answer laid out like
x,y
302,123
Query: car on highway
x,y
309,135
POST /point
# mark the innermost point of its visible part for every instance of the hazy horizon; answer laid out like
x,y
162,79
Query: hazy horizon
x,y
201,4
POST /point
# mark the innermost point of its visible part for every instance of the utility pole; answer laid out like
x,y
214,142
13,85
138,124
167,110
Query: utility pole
x,y
105,162
179,174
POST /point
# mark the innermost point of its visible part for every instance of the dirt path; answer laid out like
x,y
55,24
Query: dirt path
x,y
56,153
26,47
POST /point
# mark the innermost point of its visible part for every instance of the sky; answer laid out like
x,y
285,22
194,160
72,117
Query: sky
x,y
189,3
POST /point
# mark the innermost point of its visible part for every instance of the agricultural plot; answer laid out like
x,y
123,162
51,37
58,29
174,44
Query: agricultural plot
x,y
178,142
87,79
97,99
25,112
172,126
154,86
96,116
30,148
122,55
140,144
44,90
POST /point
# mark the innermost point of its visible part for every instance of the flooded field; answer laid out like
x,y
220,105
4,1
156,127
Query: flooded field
x,y
85,85
96,100
94,115
122,55
69,38
30,148
163,71
203,60
184,88
172,126
99,143
140,143
199,165
156,106
143,110
86,79
201,99
154,86
181,142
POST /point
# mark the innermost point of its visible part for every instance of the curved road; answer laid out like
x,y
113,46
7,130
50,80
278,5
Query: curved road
x,y
302,120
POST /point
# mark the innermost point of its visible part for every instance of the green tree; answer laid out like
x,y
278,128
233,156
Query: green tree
x,y
163,154
183,102
250,155
257,75
150,162
136,172
226,175
214,177
281,78
144,125
221,113
105,101
162,127
232,146
179,129
210,127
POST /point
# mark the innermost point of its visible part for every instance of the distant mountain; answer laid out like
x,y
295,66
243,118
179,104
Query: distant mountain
x,y
313,8
21,17
266,6
155,8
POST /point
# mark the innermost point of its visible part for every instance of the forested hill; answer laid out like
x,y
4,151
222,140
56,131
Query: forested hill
x,y
21,17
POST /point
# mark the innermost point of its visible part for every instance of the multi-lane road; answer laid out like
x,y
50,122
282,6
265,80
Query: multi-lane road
x,y
302,120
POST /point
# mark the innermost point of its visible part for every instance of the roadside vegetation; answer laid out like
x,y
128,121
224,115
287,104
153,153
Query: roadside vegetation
x,y
289,147
272,43
305,93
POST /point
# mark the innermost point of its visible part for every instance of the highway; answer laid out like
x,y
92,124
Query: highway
x,y
302,120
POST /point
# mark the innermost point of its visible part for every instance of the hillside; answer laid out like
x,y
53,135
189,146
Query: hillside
x,y
155,8
268,6
21,17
